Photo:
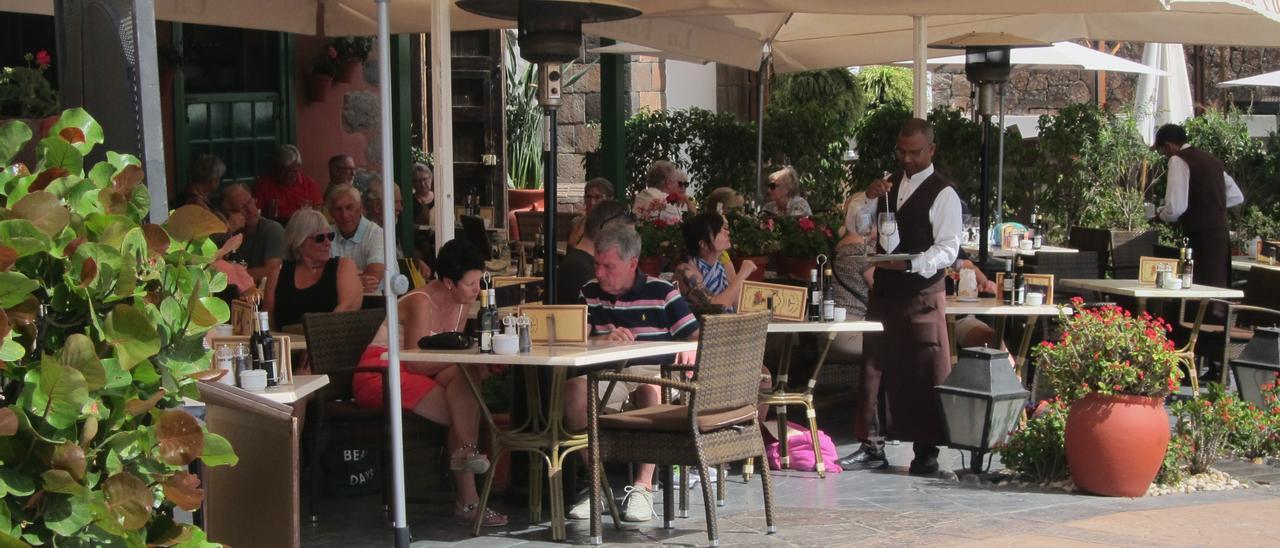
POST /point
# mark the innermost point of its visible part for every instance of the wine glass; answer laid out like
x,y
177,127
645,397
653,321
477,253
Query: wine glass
x,y
888,223
864,224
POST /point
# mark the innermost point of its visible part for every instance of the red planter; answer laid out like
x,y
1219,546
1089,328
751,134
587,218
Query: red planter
x,y
794,267
347,72
521,199
1115,444
318,87
762,261
652,265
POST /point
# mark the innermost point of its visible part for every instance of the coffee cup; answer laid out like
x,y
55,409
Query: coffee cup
x,y
1035,299
1025,245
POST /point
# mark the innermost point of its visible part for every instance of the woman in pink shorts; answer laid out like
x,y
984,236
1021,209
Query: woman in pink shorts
x,y
437,391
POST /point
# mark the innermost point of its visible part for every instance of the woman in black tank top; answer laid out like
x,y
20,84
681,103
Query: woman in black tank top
x,y
309,280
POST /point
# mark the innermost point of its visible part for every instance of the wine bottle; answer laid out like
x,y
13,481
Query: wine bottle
x,y
1188,270
263,346
1019,285
1007,284
494,319
1037,228
815,296
828,297
484,324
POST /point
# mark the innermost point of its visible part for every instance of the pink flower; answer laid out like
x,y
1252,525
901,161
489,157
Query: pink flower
x,y
43,58
806,224
333,52
767,224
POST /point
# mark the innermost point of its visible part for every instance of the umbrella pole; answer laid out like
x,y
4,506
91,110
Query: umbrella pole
x,y
549,195
1000,163
389,282
761,75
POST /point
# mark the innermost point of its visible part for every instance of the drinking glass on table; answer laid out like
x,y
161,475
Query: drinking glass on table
x,y
888,223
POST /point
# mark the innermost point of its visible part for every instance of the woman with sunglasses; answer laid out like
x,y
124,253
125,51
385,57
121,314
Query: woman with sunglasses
x,y
310,280
437,391
667,195
784,195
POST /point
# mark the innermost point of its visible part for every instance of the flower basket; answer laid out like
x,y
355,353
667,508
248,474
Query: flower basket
x,y
347,71
752,237
651,265
807,236
660,242
793,267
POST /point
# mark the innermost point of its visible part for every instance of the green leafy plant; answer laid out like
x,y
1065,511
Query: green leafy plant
x,y
809,121
352,48
525,116
715,149
102,321
25,92
1109,351
885,86
752,237
1204,425
875,139
1038,449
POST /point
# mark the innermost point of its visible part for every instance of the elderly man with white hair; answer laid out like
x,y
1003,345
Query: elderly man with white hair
x,y
357,238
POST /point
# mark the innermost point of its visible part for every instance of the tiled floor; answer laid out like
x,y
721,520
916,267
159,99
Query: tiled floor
x,y
867,508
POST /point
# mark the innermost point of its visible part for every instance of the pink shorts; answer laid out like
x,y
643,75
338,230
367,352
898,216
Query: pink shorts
x,y
367,387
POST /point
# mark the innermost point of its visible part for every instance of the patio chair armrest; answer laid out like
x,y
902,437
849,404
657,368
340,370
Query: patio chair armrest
x,y
641,379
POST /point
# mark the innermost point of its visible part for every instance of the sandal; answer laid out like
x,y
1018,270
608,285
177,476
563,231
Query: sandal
x,y
466,515
470,462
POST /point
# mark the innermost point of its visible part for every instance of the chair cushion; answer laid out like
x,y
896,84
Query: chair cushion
x,y
674,418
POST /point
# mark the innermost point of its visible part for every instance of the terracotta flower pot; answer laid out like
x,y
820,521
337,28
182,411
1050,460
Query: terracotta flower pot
x,y
318,87
794,267
520,199
652,265
1115,444
761,261
347,72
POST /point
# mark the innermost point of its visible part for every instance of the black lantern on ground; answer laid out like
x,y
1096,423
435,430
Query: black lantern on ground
x,y
980,401
986,65
550,34
1258,364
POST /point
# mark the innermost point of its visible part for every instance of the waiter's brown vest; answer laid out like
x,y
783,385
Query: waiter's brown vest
x,y
1206,192
915,232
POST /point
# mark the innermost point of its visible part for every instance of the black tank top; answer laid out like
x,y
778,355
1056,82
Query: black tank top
x,y
292,303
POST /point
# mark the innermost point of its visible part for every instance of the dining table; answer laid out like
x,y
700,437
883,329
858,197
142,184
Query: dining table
x,y
542,431
1245,263
1002,312
1006,253
1143,292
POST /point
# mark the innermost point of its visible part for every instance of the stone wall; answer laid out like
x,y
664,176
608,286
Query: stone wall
x,y
578,130
1043,91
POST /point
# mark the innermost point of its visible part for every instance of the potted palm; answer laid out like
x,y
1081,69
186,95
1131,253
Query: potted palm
x,y
1114,369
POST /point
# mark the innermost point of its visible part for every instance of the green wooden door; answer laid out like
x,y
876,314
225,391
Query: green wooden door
x,y
243,129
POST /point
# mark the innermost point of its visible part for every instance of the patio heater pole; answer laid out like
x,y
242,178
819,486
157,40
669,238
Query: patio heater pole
x,y
1000,164
550,99
761,76
392,281
984,175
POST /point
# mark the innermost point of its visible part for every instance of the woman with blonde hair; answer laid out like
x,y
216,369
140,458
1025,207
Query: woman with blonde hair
x,y
310,280
784,195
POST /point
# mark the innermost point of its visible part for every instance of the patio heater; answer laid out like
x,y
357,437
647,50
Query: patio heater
x,y
986,66
980,401
550,34
1258,365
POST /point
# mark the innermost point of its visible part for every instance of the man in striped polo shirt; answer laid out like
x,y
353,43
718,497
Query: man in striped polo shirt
x,y
623,304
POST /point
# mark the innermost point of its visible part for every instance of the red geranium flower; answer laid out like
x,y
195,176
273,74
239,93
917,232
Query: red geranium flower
x,y
806,224
43,58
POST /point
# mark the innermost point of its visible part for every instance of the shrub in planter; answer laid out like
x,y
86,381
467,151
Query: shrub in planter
x,y
1114,370
1037,449
102,320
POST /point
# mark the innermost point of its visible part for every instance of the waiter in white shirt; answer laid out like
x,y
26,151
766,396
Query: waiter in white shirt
x,y
912,355
1198,194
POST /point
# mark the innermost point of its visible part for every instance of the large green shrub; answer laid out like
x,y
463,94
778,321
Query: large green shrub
x,y
886,86
717,149
808,124
102,320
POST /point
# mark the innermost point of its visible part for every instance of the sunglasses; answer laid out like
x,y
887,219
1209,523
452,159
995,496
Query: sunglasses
x,y
683,184
320,238
773,186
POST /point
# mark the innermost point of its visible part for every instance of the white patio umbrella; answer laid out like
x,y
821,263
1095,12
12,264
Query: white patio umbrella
x,y
1163,100
1270,79
1061,55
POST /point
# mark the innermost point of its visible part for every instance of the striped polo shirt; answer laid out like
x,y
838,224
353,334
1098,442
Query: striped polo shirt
x,y
653,310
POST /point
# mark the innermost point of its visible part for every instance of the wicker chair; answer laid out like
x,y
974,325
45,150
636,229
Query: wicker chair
x,y
1260,308
335,341
717,425
1065,266
1127,250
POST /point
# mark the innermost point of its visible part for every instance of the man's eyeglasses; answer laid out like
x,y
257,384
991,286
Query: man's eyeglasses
x,y
683,184
773,186
320,238
902,153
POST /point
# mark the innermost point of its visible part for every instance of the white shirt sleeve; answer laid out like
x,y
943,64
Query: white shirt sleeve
x,y
1175,193
944,215
1234,196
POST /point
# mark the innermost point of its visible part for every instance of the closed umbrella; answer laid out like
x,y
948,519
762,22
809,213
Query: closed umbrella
x,y
1167,99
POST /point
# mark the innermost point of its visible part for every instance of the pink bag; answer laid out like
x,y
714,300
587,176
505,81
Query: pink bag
x,y
800,448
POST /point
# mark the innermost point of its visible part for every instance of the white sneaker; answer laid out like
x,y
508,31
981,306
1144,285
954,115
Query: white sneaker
x,y
695,477
637,504
582,508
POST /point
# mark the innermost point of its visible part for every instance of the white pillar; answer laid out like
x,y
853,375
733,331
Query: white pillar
x,y
920,67
442,114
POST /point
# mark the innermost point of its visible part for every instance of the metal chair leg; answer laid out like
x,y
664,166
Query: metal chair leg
x,y
819,465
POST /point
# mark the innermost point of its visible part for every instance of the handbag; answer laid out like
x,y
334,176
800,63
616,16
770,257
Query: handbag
x,y
449,340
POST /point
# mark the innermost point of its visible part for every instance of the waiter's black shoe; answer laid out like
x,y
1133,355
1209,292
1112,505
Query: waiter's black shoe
x,y
865,458
926,461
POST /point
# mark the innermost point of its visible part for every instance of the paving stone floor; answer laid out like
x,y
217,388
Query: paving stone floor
x,y
870,508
